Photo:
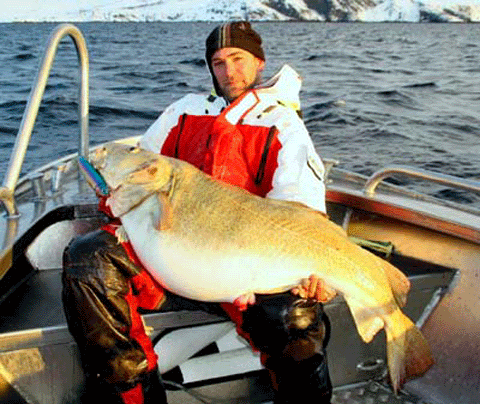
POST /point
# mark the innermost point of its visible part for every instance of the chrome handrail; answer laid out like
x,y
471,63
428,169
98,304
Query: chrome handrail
x,y
444,179
31,110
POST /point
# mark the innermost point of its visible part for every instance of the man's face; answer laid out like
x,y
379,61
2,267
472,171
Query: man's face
x,y
236,71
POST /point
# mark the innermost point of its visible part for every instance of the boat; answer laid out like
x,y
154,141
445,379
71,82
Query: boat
x,y
435,242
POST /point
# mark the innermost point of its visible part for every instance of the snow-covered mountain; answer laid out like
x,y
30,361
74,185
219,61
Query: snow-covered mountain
x,y
263,10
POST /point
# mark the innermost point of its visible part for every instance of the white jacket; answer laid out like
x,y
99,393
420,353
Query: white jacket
x,y
297,170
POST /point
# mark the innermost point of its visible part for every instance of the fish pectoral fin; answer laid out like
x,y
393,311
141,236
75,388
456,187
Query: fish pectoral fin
x,y
367,320
166,213
121,234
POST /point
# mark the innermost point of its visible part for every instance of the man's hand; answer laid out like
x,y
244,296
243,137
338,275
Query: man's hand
x,y
314,288
311,288
244,301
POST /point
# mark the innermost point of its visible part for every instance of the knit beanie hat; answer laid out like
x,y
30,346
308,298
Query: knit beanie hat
x,y
237,34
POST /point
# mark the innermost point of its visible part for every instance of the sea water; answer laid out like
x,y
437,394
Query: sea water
x,y
373,94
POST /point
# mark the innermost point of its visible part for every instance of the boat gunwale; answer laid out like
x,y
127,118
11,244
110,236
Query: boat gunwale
x,y
343,187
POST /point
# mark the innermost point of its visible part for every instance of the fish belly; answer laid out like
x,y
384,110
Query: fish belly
x,y
207,274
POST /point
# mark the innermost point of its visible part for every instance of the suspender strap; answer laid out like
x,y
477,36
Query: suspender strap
x,y
263,161
180,130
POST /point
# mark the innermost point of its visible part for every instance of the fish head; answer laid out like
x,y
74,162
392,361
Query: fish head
x,y
121,164
116,162
131,173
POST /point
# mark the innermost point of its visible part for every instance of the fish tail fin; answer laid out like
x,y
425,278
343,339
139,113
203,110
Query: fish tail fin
x,y
408,352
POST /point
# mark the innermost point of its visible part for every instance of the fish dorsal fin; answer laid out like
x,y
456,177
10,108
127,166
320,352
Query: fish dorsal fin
x,y
398,281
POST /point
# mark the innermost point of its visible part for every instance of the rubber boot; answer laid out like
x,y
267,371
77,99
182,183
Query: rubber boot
x,y
149,390
153,388
304,381
292,335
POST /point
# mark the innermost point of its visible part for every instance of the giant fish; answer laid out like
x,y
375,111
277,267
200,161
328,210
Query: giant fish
x,y
211,241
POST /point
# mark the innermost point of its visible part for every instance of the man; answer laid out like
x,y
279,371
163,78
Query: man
x,y
244,134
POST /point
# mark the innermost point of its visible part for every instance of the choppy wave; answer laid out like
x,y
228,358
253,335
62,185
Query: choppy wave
x,y
24,56
200,62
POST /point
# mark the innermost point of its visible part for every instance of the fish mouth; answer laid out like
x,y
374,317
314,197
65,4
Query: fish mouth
x,y
98,158
112,190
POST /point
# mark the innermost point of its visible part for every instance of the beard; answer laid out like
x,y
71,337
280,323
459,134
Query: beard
x,y
232,94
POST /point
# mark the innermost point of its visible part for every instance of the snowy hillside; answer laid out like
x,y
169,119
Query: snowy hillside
x,y
264,10
205,10
392,10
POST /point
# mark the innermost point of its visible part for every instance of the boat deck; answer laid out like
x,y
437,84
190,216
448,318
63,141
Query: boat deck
x,y
36,303
33,318
370,392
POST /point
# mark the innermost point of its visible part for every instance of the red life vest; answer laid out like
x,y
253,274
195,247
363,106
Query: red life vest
x,y
241,155
258,142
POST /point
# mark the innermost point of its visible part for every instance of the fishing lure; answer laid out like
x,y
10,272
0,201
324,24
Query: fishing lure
x,y
93,177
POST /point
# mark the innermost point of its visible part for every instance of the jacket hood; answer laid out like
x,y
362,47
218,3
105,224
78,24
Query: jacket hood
x,y
284,86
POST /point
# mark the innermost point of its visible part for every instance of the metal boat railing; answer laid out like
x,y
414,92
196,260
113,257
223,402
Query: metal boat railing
x,y
444,179
31,111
